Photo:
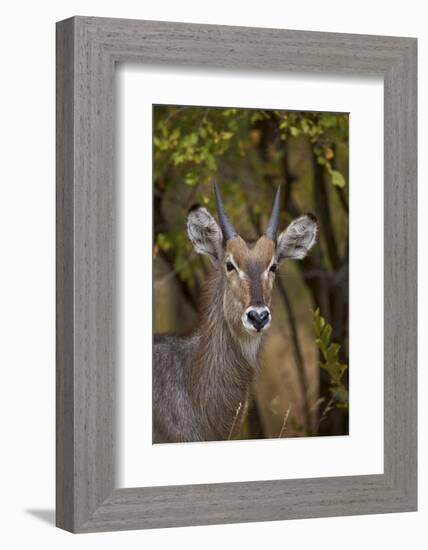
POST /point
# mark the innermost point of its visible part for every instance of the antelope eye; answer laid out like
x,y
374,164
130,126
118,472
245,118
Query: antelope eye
x,y
230,266
273,268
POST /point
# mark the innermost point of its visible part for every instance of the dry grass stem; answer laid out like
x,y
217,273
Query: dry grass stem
x,y
284,424
326,410
238,410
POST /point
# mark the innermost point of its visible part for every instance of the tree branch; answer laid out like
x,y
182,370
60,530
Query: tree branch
x,y
298,357
323,210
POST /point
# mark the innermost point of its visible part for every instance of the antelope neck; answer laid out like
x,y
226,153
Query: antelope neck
x,y
226,358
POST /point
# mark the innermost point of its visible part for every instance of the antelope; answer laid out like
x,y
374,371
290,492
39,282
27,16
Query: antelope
x,y
201,381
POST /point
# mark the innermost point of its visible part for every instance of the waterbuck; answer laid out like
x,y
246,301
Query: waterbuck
x,y
201,381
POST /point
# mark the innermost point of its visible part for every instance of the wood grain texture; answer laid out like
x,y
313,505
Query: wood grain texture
x,y
64,277
87,49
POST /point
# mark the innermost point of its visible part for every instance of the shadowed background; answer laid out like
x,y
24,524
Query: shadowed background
x,y
302,389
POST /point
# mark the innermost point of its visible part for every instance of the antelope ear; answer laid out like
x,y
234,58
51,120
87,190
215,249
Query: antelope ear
x,y
204,233
299,237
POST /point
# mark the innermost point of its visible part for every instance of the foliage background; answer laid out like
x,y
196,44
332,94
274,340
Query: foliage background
x,y
303,387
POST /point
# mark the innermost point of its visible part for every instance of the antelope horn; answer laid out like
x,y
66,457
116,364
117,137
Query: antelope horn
x,y
226,227
272,228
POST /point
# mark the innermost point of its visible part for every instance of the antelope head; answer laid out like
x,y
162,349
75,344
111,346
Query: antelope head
x,y
248,269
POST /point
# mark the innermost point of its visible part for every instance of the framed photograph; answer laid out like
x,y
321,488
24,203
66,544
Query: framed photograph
x,y
232,324
236,274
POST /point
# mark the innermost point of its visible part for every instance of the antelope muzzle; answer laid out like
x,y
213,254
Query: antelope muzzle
x,y
256,319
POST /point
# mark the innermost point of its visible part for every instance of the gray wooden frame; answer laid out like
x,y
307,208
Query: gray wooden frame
x,y
87,50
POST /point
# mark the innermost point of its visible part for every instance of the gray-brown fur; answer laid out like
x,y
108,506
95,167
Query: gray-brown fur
x,y
200,381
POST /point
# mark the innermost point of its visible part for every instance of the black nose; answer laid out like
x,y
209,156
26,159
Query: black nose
x,y
258,318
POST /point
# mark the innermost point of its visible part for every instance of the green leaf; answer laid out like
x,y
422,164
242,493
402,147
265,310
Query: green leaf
x,y
326,334
190,179
330,354
337,178
164,241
